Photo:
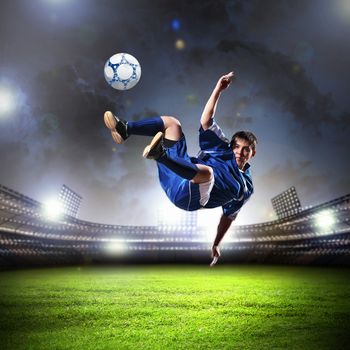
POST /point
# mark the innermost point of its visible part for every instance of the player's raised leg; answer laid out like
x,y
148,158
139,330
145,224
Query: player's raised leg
x,y
167,131
122,129
197,173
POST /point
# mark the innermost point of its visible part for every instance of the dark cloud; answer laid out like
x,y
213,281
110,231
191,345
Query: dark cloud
x,y
291,90
69,117
278,12
283,79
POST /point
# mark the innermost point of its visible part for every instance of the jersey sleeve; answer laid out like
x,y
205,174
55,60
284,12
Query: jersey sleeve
x,y
213,139
232,208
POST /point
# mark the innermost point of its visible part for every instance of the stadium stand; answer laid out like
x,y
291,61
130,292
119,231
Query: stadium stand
x,y
315,235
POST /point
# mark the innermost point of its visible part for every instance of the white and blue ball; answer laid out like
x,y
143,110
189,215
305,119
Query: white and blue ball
x,y
122,71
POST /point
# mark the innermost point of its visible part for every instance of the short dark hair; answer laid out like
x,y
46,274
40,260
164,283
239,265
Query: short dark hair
x,y
245,135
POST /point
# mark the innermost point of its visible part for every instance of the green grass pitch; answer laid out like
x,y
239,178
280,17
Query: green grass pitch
x,y
175,307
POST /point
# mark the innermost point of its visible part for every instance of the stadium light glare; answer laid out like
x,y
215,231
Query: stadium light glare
x,y
116,248
7,100
325,219
52,210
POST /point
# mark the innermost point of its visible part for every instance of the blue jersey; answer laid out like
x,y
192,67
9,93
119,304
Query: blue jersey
x,y
230,187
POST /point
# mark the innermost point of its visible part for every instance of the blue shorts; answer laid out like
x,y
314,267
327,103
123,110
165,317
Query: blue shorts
x,y
183,193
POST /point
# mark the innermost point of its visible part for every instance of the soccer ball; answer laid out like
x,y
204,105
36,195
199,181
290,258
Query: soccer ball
x,y
122,71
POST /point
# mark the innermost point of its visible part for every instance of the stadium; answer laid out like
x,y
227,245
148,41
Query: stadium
x,y
318,235
67,283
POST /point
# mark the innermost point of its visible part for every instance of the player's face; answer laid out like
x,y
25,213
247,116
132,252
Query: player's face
x,y
243,152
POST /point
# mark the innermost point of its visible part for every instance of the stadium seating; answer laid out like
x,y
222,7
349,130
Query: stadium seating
x,y
28,238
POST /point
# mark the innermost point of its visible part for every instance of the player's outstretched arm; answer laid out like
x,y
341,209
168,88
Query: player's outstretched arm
x,y
223,226
210,107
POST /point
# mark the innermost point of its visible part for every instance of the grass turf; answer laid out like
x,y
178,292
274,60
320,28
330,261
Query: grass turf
x,y
175,307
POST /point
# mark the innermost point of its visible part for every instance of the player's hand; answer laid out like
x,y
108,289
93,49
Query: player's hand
x,y
215,254
215,251
225,81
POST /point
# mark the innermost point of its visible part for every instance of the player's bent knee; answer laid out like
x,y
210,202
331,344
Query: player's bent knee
x,y
172,128
205,174
170,122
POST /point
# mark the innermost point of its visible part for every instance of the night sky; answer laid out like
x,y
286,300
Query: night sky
x,y
292,62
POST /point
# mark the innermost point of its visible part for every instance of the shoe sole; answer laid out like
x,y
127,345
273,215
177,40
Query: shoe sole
x,y
154,143
111,124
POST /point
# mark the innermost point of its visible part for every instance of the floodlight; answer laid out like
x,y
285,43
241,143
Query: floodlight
x,y
52,210
116,247
325,219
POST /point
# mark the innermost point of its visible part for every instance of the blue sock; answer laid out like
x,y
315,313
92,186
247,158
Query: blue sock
x,y
179,166
146,127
